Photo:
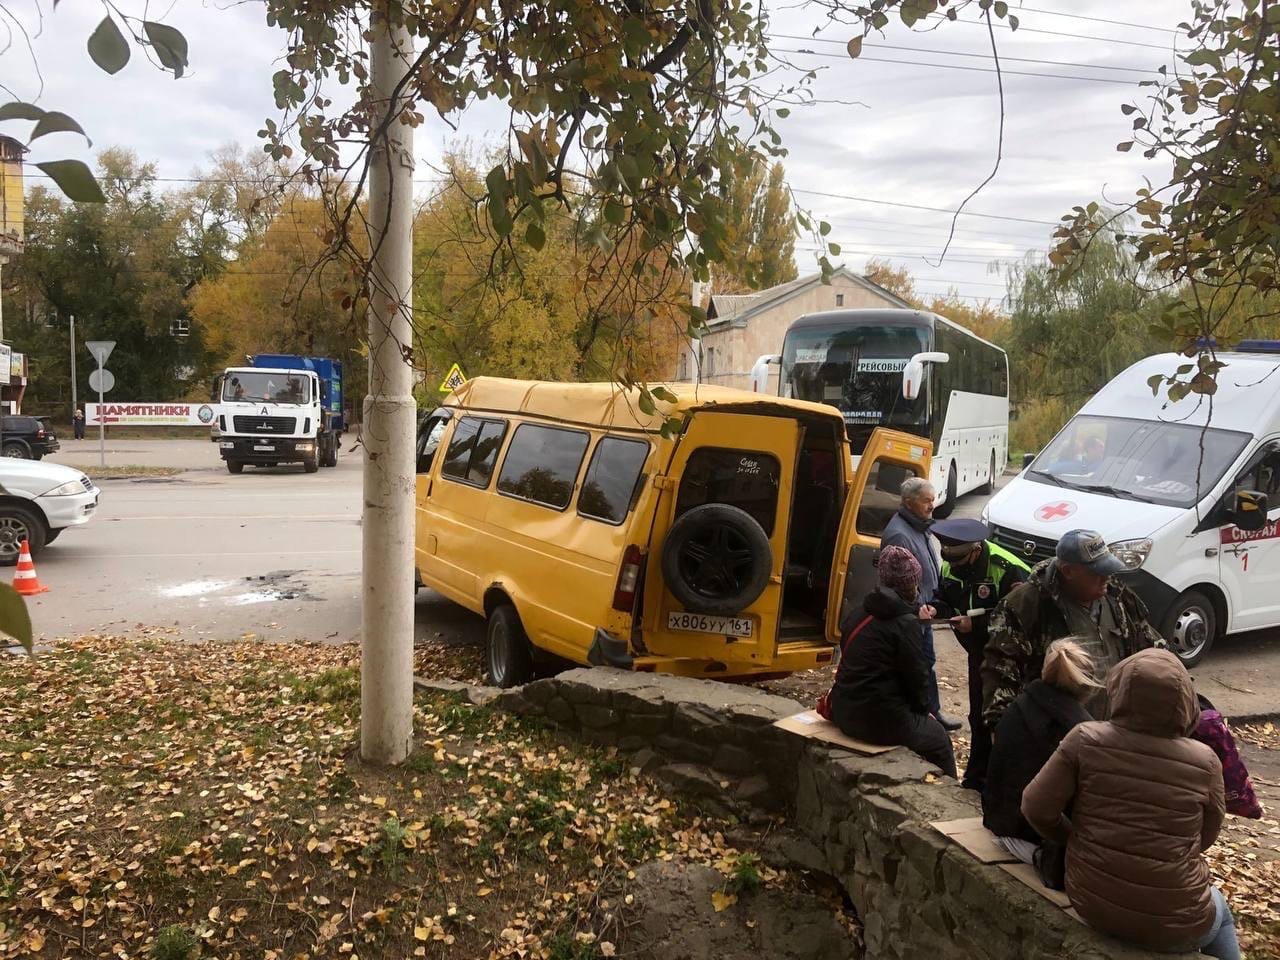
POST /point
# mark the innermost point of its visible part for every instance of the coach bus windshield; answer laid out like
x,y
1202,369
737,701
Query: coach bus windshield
x,y
857,370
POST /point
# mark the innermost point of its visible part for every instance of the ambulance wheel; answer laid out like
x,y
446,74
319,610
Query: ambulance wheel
x,y
942,511
508,655
1190,627
235,466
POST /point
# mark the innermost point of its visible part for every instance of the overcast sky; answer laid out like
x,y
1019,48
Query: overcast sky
x,y
926,135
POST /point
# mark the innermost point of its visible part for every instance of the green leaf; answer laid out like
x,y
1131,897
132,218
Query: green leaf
x,y
15,621
598,238
663,394
646,403
107,46
824,228
17,110
1184,368
56,122
1002,9
1154,383
74,179
834,248
1125,147
783,112
535,236
1013,22
169,44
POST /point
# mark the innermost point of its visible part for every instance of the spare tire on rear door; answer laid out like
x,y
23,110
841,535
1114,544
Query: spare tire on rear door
x,y
716,559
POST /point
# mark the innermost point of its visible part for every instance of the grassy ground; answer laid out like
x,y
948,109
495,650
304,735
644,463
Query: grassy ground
x,y
171,800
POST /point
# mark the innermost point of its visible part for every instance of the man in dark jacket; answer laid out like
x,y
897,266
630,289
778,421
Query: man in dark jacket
x,y
1072,595
881,691
909,529
976,575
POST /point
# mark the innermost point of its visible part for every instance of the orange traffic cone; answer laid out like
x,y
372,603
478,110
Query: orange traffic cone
x,y
25,580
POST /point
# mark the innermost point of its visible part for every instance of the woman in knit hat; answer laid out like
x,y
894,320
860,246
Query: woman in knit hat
x,y
881,692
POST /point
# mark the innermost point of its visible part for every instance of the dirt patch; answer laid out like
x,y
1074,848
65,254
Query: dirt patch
x,y
686,911
131,472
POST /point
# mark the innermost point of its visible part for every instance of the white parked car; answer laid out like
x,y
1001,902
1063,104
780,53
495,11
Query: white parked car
x,y
38,501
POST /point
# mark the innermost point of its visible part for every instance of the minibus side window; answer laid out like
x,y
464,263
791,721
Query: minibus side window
x,y
612,479
542,464
473,450
429,436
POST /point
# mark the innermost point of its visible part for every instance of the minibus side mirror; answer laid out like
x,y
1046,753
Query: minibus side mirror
x,y
913,372
1250,512
215,389
1027,460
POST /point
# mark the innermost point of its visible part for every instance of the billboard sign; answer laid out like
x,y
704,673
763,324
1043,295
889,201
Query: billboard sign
x,y
150,414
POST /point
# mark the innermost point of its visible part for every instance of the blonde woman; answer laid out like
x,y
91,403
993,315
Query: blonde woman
x,y
1028,734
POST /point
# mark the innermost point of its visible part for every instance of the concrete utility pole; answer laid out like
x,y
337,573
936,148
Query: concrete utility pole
x,y
386,662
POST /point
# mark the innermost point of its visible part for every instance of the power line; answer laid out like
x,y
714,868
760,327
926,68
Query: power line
x,y
957,53
958,66
917,206
1053,33
1080,16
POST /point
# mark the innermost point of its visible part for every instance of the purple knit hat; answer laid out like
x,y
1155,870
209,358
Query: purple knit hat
x,y
898,570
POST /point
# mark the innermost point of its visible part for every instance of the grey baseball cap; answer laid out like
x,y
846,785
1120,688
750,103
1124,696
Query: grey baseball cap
x,y
1087,548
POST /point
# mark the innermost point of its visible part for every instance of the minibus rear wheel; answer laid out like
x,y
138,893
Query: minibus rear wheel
x,y
507,651
1190,627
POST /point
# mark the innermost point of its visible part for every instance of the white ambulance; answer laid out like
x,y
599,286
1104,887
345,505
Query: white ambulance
x,y
1187,494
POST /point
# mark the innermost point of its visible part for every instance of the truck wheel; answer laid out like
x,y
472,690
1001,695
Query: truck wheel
x,y
311,466
330,454
235,466
18,524
944,511
508,653
1190,627
716,559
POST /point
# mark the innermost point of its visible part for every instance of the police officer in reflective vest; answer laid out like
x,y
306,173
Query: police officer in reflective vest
x,y
976,575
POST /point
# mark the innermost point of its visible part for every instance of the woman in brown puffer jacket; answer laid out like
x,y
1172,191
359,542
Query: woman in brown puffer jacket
x,y
1145,802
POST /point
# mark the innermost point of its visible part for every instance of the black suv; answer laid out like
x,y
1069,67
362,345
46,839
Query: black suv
x,y
27,438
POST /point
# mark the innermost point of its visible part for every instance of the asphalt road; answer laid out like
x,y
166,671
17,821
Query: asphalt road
x,y
276,553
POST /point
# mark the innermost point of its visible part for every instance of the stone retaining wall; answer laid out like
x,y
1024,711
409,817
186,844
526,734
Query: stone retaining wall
x,y
862,820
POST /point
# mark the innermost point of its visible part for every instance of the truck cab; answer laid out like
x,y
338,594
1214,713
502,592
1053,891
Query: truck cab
x,y
272,413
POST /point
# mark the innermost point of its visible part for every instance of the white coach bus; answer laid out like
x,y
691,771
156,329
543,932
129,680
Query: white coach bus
x,y
910,370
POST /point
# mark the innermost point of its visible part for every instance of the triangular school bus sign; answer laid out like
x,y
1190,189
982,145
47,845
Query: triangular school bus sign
x,y
454,380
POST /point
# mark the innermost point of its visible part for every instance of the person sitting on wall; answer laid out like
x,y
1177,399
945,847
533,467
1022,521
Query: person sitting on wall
x,y
1029,732
881,690
1137,802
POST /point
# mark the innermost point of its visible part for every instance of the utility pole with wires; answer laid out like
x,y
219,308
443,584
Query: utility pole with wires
x,y
386,661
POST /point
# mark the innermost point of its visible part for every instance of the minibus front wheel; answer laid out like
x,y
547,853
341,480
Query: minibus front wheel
x,y
508,653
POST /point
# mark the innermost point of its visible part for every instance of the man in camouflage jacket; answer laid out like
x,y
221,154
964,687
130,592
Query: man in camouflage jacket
x,y
1072,595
